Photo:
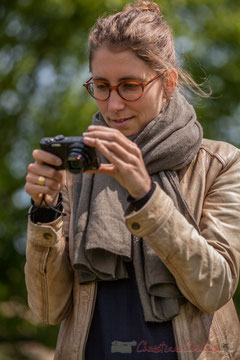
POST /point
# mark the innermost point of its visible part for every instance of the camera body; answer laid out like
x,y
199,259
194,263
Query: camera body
x,y
76,156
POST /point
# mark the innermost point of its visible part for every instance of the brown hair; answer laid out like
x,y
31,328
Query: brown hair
x,y
140,27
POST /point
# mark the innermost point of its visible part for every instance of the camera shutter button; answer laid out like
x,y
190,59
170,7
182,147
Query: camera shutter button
x,y
59,137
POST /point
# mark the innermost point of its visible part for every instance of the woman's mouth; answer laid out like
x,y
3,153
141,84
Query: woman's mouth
x,y
121,122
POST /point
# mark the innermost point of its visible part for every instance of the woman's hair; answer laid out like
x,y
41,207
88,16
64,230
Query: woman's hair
x,y
140,27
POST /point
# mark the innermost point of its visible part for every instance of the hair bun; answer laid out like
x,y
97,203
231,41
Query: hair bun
x,y
146,6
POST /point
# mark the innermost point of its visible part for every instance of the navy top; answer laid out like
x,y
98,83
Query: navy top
x,y
118,330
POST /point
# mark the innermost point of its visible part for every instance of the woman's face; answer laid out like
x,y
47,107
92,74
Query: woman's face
x,y
112,67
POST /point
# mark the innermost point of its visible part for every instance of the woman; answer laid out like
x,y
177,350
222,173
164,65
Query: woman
x,y
146,261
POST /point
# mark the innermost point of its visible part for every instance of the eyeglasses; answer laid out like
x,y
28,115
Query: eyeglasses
x,y
128,90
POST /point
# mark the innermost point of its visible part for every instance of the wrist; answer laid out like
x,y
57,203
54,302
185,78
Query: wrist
x,y
139,203
46,213
143,192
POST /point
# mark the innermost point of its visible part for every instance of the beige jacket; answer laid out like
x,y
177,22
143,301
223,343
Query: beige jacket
x,y
205,266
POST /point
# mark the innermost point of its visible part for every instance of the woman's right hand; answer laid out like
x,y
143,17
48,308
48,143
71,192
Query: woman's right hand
x,y
52,179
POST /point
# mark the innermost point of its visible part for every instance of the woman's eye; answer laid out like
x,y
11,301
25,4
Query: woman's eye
x,y
130,86
100,87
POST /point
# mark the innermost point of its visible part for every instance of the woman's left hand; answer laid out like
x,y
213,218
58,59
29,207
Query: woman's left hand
x,y
126,162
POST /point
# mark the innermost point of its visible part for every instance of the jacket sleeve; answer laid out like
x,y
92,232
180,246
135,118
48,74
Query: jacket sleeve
x,y
48,274
205,265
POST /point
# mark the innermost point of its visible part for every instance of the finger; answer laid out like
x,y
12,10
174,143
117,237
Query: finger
x,y
35,191
36,198
46,157
109,154
106,133
46,171
104,169
50,183
99,127
111,135
115,148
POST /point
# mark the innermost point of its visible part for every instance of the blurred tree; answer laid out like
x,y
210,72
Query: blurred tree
x,y
43,63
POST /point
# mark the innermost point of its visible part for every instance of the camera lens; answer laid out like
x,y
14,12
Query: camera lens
x,y
81,157
75,164
76,157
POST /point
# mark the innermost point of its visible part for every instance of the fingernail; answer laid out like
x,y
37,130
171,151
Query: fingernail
x,y
91,127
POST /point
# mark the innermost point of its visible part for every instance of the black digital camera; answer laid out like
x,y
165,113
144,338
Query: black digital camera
x,y
76,156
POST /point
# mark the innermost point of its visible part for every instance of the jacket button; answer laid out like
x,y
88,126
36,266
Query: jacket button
x,y
135,226
47,236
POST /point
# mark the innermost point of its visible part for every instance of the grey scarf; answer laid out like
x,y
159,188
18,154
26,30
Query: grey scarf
x,y
102,241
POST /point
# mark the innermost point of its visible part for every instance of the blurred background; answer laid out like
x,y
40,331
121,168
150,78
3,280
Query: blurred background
x,y
43,63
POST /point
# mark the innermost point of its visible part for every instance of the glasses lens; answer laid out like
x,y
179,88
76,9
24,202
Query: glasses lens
x,y
130,90
99,91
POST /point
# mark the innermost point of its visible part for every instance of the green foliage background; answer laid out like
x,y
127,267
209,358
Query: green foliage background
x,y
43,63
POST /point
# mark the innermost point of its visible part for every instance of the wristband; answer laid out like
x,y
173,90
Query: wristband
x,y
139,203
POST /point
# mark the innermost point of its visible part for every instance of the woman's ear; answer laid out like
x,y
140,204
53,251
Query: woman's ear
x,y
169,83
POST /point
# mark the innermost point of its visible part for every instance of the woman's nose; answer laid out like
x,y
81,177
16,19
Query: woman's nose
x,y
115,102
